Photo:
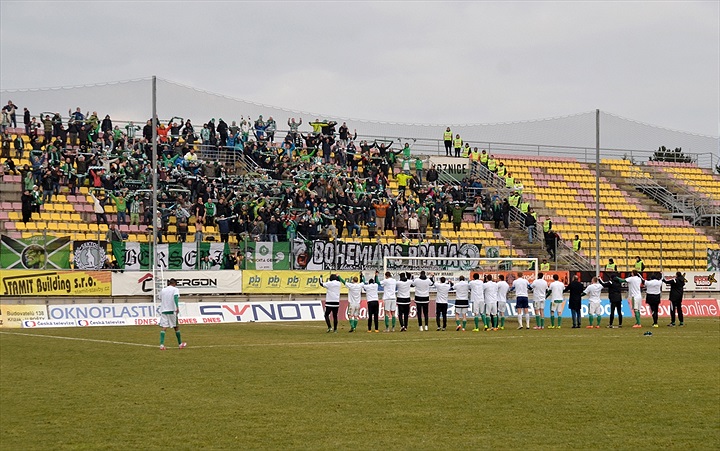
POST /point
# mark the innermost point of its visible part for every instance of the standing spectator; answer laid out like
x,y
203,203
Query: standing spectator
x,y
27,205
577,244
432,175
677,286
457,145
113,234
98,208
10,109
547,228
121,206
615,295
26,120
448,140
530,223
270,129
457,216
575,300
639,264
419,169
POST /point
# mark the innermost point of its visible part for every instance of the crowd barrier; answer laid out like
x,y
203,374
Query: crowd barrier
x,y
145,314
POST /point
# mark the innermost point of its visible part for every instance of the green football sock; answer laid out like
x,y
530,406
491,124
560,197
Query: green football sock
x,y
387,321
559,321
552,320
502,321
484,319
457,322
537,320
162,337
542,321
177,334
487,321
494,321
590,319
598,319
637,316
464,324
393,322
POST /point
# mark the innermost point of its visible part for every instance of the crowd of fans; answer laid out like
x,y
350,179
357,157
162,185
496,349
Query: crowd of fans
x,y
318,184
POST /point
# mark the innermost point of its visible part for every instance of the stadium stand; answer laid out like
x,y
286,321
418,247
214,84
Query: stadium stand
x,y
316,184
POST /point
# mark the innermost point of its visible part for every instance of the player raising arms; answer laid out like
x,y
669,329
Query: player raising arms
x,y
441,302
461,303
373,305
490,287
403,303
539,287
422,297
477,297
502,291
354,296
332,300
557,289
634,284
520,287
389,300
592,291
169,309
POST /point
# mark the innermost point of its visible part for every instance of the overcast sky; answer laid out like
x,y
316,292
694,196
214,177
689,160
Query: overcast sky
x,y
485,62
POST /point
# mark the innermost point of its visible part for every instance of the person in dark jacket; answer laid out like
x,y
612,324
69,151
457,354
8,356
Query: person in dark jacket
x,y
614,287
575,302
677,286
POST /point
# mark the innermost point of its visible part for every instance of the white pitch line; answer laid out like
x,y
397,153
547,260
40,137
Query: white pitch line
x,y
145,345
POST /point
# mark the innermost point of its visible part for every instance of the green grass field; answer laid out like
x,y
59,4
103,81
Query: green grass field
x,y
291,385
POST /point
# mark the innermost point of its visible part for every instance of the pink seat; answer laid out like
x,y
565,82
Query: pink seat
x,y
6,206
10,225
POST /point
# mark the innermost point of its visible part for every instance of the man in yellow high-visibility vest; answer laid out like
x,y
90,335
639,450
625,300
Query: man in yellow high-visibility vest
x,y
448,140
457,144
465,151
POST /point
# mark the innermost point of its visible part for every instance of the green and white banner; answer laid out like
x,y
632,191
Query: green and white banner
x,y
37,252
266,255
713,259
136,256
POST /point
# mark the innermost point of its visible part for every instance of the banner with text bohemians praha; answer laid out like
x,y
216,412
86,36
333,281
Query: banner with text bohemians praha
x,y
343,256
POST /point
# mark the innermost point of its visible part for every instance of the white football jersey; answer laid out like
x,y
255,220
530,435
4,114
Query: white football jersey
x,y
557,288
476,291
521,287
539,287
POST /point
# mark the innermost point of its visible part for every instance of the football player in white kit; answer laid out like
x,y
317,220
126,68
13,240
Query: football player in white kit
x,y
557,289
491,292
520,287
462,305
592,291
477,297
441,302
389,300
539,287
634,284
422,298
354,295
502,291
169,309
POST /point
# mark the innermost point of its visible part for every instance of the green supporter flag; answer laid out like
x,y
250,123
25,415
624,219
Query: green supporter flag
x,y
37,252
134,256
266,255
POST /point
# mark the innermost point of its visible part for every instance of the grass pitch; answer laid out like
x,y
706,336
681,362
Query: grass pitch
x,y
291,385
